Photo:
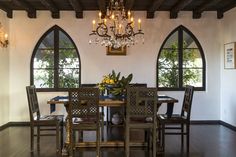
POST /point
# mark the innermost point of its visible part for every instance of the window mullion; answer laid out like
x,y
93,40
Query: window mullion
x,y
56,58
180,38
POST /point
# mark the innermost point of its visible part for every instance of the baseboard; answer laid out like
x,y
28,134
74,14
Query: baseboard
x,y
19,124
228,125
205,122
4,126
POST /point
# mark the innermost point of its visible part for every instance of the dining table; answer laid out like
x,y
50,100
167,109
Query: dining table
x,y
106,101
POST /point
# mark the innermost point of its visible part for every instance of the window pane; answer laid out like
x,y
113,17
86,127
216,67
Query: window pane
x,y
188,41
64,41
168,78
44,58
68,58
43,78
192,58
68,78
192,77
172,41
168,58
48,41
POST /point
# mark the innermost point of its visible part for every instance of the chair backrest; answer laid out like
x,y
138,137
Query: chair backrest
x,y
141,102
33,102
84,102
187,102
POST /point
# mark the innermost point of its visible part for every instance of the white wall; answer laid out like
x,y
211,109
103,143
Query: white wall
x,y
140,59
228,77
4,76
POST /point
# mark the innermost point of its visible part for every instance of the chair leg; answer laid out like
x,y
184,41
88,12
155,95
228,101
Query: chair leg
x,y
127,141
62,136
31,138
182,136
154,141
163,136
98,142
57,139
38,138
187,130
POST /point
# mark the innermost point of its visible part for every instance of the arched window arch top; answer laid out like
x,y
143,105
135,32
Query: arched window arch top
x,y
181,62
55,63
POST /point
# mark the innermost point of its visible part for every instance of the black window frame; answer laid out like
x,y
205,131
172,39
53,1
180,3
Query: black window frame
x,y
180,29
56,88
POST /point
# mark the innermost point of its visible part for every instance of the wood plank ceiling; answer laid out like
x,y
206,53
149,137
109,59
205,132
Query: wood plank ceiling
x,y
197,7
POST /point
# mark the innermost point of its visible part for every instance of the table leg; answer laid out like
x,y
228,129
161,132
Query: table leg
x,y
169,111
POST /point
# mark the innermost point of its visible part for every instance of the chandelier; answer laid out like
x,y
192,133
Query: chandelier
x,y
116,28
3,37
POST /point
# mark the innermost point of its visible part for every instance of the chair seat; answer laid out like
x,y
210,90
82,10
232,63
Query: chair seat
x,y
87,120
175,118
141,120
49,120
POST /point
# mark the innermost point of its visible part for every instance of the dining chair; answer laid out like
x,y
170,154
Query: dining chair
x,y
93,85
43,123
178,123
141,114
84,114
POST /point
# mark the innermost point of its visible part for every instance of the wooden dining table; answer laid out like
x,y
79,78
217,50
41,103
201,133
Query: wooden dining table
x,y
110,102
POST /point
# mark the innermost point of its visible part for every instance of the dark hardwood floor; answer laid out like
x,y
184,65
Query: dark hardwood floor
x,y
205,141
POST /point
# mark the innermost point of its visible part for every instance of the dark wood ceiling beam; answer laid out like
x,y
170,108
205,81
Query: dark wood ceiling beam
x,y
197,13
178,7
31,11
52,7
77,8
221,11
129,4
153,7
6,9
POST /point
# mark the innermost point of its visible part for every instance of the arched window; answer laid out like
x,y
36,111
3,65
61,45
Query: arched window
x,y
55,62
181,62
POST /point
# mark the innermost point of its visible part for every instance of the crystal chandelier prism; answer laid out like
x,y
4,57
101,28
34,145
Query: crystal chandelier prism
x,y
117,28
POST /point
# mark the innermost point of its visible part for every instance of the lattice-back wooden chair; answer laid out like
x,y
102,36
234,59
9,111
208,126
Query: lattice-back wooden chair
x,y
43,123
84,114
93,85
182,120
141,111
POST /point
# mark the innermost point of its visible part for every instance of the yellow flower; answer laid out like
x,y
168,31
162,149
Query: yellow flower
x,y
112,81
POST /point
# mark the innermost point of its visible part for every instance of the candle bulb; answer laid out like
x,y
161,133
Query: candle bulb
x,y
132,21
6,36
112,16
105,21
129,14
139,24
119,28
94,22
100,16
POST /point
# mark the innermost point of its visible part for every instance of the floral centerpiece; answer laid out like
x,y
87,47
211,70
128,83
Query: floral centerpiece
x,y
113,84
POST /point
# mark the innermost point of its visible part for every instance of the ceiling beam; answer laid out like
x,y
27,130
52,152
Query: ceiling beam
x,y
102,7
197,13
31,11
178,7
6,9
129,4
77,8
153,7
221,11
52,7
